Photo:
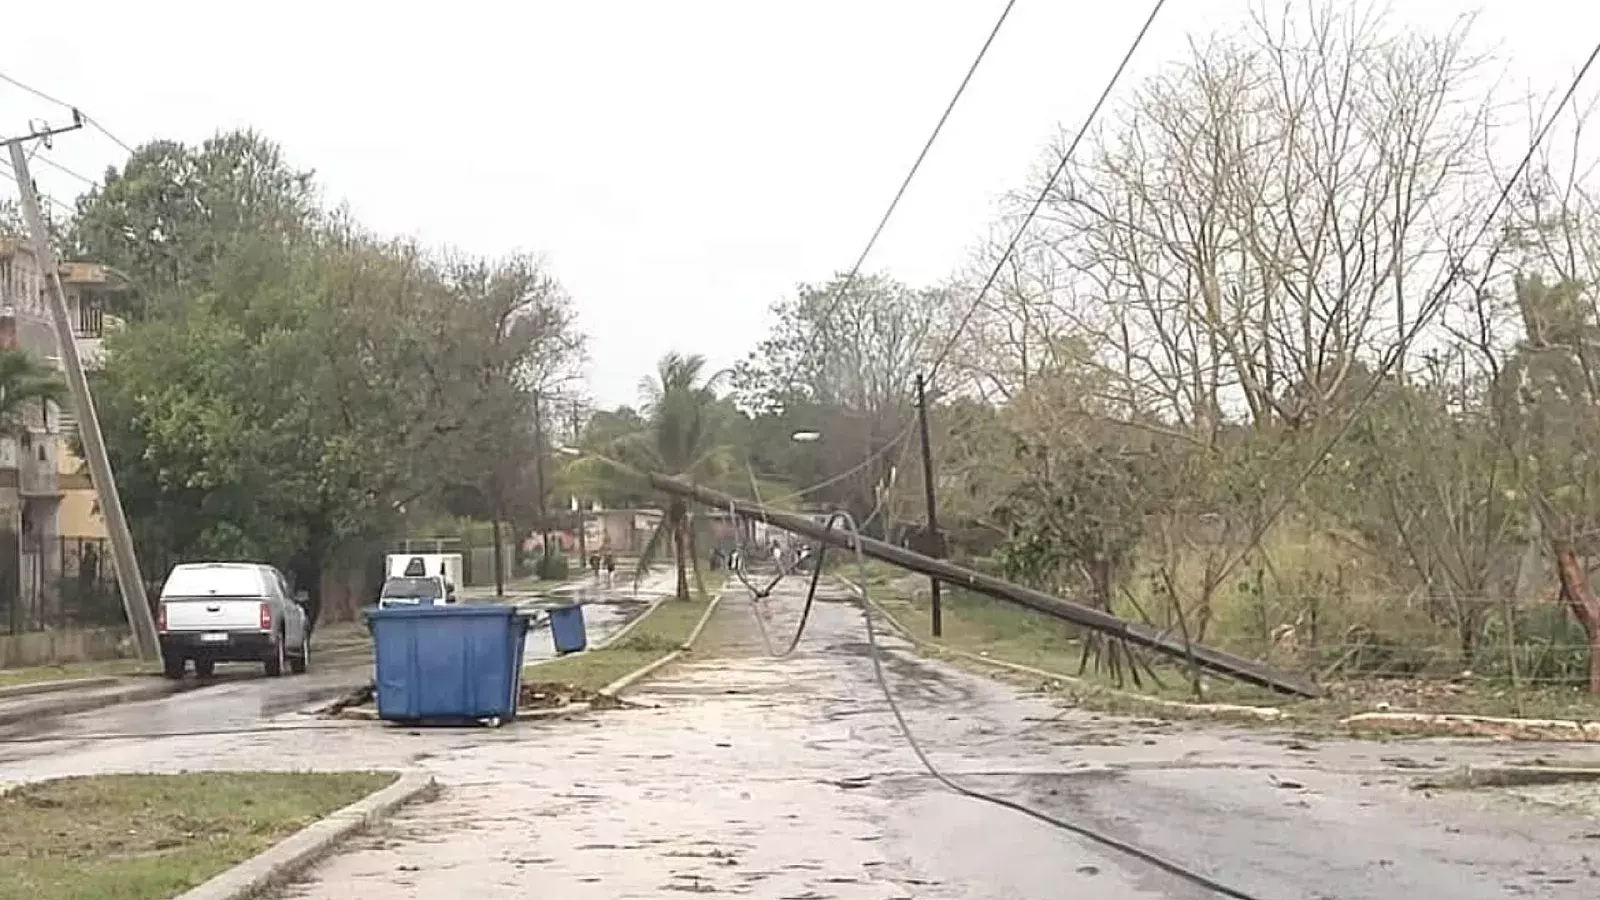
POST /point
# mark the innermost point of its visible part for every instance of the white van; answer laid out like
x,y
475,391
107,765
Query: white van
x,y
231,612
446,566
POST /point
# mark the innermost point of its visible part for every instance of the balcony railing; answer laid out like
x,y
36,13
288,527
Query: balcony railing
x,y
88,320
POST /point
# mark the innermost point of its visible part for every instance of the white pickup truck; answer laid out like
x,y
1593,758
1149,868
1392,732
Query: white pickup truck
x,y
231,612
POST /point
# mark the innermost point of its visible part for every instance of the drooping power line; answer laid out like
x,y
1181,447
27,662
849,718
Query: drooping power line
x,y
1044,193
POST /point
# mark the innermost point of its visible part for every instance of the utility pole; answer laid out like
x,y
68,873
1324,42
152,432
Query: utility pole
x,y
538,483
129,579
934,546
577,502
499,552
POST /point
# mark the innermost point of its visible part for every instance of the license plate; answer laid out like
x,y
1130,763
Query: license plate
x,y
215,637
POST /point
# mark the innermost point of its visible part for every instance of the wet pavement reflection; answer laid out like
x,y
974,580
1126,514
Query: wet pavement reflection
x,y
743,775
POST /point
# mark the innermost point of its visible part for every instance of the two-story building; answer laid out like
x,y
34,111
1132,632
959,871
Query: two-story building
x,y
50,522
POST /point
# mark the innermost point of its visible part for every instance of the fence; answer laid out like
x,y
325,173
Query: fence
x,y
56,583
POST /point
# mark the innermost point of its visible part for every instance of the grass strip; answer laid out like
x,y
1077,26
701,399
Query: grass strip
x,y
147,837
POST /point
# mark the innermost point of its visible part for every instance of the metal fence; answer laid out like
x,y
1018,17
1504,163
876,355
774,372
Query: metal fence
x,y
60,582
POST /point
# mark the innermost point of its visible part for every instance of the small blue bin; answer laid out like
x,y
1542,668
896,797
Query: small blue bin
x,y
448,662
567,631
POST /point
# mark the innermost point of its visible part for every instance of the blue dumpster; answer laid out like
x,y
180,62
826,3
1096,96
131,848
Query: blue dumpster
x,y
566,628
447,662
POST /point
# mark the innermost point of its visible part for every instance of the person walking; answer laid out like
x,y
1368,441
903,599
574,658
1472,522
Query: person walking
x,y
611,568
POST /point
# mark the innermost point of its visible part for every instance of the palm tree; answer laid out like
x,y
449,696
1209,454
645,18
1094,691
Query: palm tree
x,y
682,435
24,380
684,439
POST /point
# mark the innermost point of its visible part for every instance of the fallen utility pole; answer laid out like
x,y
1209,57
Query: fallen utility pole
x,y
130,580
1215,661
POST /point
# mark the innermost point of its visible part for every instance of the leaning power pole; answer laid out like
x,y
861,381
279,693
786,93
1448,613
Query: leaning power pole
x,y
129,579
538,483
934,544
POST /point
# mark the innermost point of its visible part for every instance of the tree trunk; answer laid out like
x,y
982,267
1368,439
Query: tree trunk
x,y
1582,601
680,551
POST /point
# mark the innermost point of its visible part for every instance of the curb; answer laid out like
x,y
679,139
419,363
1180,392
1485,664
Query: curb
x,y
50,687
1215,710
633,623
621,684
1551,730
297,852
53,707
611,638
1509,776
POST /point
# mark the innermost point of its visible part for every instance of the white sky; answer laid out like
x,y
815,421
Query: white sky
x,y
681,164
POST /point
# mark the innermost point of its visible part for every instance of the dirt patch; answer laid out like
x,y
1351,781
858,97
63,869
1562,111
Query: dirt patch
x,y
556,694
365,695
361,702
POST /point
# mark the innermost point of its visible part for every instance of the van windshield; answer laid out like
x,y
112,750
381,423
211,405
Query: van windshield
x,y
413,589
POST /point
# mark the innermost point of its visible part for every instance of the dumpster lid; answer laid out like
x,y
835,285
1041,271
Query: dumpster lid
x,y
475,610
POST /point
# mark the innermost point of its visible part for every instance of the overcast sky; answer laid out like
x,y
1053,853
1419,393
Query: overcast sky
x,y
681,164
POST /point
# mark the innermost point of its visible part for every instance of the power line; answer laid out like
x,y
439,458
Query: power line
x,y
67,207
883,222
63,169
1425,316
872,457
1171,867
59,102
1049,185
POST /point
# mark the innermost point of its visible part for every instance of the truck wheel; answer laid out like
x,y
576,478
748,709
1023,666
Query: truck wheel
x,y
274,660
172,666
205,668
302,660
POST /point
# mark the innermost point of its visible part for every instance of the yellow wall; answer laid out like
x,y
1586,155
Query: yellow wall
x,y
79,517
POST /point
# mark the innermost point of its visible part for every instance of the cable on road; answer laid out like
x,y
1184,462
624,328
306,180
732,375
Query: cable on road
x,y
879,675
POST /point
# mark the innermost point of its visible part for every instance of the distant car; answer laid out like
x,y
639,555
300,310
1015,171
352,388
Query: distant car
x,y
231,612
416,590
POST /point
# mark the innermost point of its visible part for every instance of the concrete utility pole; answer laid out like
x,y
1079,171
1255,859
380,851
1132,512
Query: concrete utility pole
x,y
129,578
934,546
538,482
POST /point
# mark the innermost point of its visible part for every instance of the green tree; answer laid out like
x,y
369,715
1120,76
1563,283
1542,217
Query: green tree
x,y
841,360
25,384
173,213
1545,401
684,435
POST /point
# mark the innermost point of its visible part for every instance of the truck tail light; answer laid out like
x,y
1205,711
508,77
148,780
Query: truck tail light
x,y
266,617
161,618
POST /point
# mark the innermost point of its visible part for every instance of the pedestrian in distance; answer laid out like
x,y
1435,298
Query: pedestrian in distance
x,y
594,566
611,568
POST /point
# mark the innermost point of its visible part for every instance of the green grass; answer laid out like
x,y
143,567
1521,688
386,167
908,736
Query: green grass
x,y
146,837
1001,631
662,631
37,674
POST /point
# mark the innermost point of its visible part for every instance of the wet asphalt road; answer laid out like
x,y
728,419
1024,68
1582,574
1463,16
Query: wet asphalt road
x,y
788,779
242,697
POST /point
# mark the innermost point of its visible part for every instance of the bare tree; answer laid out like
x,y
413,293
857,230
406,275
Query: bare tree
x,y
1262,216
